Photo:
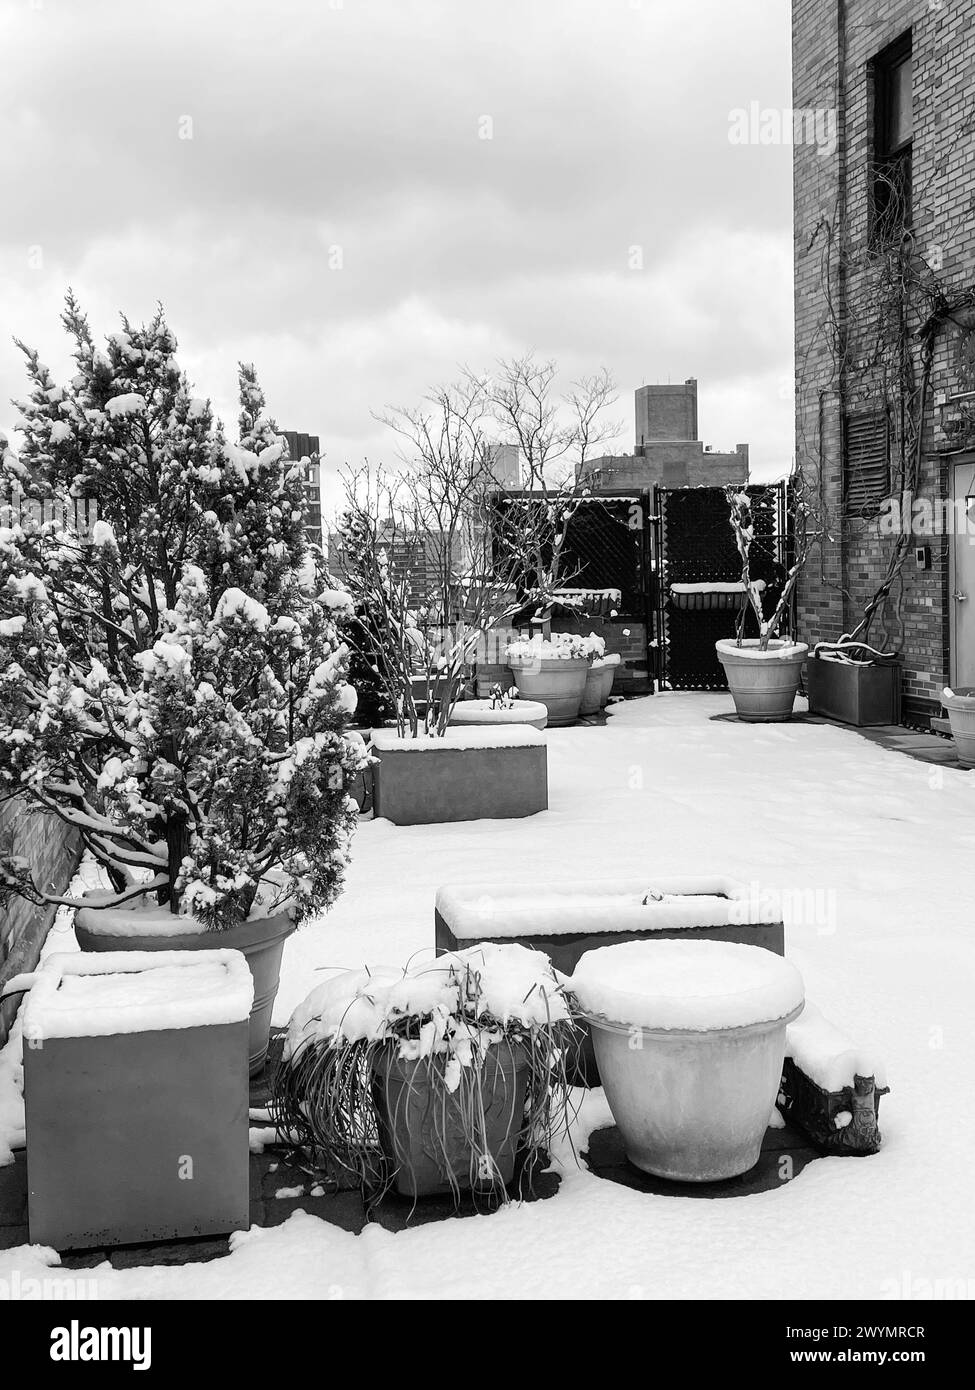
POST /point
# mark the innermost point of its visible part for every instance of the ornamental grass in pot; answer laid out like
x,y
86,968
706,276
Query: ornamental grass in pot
x,y
446,1077
173,684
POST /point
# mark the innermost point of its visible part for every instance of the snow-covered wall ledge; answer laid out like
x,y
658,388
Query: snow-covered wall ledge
x,y
53,852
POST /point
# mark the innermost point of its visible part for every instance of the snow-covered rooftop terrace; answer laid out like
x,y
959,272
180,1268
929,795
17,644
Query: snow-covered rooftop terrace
x,y
872,853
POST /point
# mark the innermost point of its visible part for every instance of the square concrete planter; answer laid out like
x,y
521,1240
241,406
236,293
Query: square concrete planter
x,y
474,773
567,919
854,693
136,1095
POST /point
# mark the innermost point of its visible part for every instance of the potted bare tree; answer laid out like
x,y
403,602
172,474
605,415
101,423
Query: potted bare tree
x,y
763,672
442,555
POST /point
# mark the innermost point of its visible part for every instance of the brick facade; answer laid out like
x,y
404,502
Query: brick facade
x,y
53,853
834,45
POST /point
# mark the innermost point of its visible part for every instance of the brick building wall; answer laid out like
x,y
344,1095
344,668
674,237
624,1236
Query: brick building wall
x,y
834,45
668,464
53,853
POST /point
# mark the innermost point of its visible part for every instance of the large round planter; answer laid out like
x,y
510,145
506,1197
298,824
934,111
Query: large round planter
x,y
590,702
261,940
689,1039
607,667
691,1106
960,705
531,713
559,683
763,684
490,674
425,1132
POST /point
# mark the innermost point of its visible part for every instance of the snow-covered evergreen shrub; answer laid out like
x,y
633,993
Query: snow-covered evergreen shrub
x,y
173,682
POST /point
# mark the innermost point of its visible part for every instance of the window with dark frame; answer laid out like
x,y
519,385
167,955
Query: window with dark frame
x,y
892,143
866,462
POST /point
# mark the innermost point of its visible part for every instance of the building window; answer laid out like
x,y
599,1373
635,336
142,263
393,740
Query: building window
x,y
893,133
866,462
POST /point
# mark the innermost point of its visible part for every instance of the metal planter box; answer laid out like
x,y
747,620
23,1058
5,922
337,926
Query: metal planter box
x,y
567,919
136,1093
469,774
853,693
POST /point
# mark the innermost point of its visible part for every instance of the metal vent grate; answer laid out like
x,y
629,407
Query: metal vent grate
x,y
866,463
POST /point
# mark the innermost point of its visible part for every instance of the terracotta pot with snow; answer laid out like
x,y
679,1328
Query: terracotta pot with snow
x,y
960,705
145,926
607,666
763,681
690,1039
431,1080
590,703
554,671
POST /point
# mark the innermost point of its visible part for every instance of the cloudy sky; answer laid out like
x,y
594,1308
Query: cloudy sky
x,y
358,195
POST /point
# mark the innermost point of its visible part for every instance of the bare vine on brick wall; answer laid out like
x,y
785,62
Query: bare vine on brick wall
x,y
881,353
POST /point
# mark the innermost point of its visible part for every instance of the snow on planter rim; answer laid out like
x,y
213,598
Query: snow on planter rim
x,y
456,739
476,910
718,587
143,916
474,711
750,649
692,986
513,984
96,995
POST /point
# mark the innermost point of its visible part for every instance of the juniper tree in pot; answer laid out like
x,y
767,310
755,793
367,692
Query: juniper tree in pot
x,y
174,682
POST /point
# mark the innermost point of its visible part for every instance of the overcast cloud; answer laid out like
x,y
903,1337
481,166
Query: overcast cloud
x,y
357,126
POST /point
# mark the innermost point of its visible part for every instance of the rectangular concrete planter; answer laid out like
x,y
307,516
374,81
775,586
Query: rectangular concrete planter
x,y
139,1135
566,919
853,693
469,774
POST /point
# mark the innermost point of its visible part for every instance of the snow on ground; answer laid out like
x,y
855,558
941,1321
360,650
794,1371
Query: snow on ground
x,y
875,849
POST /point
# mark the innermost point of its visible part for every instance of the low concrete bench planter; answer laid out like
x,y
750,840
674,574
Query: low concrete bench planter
x,y
567,919
136,1097
468,774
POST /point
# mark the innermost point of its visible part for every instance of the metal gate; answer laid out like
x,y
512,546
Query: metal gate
x,y
693,545
608,547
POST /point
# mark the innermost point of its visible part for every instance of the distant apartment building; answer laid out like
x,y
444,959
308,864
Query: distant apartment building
x,y
667,451
885,329
304,449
